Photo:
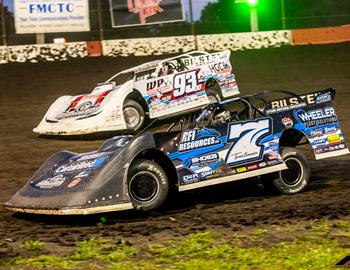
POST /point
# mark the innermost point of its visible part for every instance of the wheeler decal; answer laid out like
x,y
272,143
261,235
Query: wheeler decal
x,y
315,117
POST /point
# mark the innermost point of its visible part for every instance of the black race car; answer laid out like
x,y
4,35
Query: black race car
x,y
253,135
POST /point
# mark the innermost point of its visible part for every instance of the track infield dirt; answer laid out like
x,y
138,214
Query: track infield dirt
x,y
27,90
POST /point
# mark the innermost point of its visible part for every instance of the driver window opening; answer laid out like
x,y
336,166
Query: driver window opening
x,y
167,68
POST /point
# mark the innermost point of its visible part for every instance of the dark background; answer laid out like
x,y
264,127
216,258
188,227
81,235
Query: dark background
x,y
221,16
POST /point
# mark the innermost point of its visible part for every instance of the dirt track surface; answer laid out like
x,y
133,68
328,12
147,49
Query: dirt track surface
x,y
27,90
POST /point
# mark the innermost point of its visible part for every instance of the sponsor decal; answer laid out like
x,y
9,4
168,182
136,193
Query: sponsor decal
x,y
194,139
320,142
203,160
218,67
80,165
246,137
272,162
316,132
190,178
196,61
83,174
262,164
323,131
287,122
83,106
273,156
252,167
241,169
330,130
315,117
332,139
156,84
55,181
322,98
293,102
74,182
91,156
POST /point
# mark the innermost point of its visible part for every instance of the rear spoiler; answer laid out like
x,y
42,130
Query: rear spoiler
x,y
294,100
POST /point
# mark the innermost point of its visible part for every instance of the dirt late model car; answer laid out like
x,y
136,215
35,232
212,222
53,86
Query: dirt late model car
x,y
155,89
230,140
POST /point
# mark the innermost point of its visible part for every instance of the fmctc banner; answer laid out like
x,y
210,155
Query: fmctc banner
x,y
48,16
141,12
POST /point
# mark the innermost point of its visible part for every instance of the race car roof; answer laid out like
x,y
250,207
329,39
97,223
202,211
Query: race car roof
x,y
154,64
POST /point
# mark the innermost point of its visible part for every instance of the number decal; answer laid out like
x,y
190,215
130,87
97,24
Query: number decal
x,y
246,137
185,83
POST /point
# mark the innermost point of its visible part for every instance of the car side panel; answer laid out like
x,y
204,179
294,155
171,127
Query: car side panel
x,y
185,90
315,118
226,152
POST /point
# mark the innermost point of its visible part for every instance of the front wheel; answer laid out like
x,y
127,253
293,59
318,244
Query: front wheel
x,y
292,180
148,185
134,115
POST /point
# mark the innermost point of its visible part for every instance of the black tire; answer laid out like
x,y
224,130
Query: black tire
x,y
148,185
131,110
213,96
294,179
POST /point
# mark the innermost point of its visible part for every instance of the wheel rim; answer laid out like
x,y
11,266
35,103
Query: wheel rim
x,y
132,117
143,187
294,173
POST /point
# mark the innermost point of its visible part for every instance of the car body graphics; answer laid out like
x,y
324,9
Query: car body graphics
x,y
316,119
226,149
161,94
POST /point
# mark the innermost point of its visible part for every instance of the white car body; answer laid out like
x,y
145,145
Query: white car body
x,y
162,94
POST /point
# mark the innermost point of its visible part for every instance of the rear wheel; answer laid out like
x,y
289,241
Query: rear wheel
x,y
134,115
148,185
292,180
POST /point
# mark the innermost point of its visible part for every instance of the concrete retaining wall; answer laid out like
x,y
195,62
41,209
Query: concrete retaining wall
x,y
175,44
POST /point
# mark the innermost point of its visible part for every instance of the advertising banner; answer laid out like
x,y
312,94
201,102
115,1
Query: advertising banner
x,y
142,12
49,16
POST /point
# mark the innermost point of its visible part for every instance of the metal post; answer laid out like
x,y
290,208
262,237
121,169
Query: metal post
x,y
193,29
283,15
254,19
100,20
40,38
3,26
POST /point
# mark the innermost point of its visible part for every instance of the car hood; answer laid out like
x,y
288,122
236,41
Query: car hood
x,y
72,180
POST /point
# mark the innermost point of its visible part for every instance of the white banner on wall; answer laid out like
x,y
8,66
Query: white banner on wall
x,y
49,16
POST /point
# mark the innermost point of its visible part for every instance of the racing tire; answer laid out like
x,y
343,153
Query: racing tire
x,y
292,180
134,115
148,185
213,96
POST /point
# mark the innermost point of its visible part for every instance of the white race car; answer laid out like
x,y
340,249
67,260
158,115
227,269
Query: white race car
x,y
155,89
